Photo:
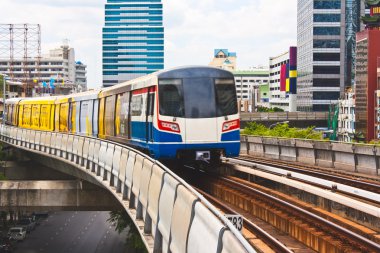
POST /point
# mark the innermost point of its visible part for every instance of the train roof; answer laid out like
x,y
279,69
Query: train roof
x,y
195,71
13,101
39,100
87,95
178,72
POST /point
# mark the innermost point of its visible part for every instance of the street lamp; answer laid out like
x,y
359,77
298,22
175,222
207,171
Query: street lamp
x,y
4,108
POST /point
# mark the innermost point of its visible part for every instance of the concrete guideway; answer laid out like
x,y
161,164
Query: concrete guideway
x,y
151,194
55,195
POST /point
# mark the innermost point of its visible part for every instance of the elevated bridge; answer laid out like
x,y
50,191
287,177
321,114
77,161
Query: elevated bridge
x,y
168,213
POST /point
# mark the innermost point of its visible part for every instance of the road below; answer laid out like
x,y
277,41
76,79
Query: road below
x,y
75,232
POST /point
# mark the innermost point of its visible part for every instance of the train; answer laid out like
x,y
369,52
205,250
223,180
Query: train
x,y
184,113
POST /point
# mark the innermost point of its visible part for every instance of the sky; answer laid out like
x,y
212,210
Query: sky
x,y
254,29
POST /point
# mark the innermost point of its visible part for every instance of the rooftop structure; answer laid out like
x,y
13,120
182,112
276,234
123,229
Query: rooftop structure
x,y
224,59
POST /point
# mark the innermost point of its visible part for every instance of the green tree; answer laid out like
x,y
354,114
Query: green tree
x,y
123,222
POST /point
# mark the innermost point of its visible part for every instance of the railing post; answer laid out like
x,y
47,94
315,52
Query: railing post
x,y
247,144
355,157
376,159
332,155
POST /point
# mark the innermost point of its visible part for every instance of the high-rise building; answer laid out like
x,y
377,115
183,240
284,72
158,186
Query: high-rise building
x,y
133,40
224,59
366,84
354,10
326,50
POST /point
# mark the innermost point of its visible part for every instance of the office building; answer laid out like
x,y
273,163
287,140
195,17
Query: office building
x,y
367,54
325,40
224,59
57,67
133,40
283,80
248,87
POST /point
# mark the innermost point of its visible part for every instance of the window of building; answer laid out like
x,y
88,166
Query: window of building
x,y
326,56
326,69
325,95
326,43
326,30
327,17
329,4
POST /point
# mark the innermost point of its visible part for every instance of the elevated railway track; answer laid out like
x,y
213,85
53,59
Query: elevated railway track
x,y
267,209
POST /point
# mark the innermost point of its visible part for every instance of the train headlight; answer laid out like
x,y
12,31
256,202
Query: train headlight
x,y
169,126
231,125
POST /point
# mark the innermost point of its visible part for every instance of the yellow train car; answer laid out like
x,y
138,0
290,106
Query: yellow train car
x,y
11,117
84,114
63,120
37,113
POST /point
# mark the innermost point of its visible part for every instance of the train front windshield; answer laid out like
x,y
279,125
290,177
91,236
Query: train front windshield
x,y
197,97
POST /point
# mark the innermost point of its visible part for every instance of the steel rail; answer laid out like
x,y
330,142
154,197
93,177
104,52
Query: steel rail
x,y
360,240
272,242
281,164
324,183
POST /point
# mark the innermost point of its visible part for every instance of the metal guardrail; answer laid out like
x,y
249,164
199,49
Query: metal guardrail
x,y
265,116
149,192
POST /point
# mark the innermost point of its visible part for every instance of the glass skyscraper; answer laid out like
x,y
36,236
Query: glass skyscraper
x,y
133,40
326,50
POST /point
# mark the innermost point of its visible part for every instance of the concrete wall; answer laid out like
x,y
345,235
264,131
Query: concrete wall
x,y
352,157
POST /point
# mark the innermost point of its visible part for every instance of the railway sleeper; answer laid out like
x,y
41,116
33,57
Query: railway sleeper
x,y
305,233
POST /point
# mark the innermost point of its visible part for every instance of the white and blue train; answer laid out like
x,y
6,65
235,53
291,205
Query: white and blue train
x,y
187,113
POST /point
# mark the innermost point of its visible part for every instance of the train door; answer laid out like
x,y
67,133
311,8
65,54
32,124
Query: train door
x,y
149,112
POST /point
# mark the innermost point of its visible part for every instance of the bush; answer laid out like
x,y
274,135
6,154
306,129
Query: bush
x,y
282,130
266,109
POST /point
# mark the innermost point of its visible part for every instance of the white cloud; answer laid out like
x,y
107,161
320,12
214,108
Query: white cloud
x,y
254,29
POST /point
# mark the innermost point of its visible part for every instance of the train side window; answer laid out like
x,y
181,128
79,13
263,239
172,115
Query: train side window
x,y
170,93
27,114
63,117
117,114
136,105
109,116
35,115
124,114
45,117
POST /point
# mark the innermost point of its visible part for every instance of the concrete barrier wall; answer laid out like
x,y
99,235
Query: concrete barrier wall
x,y
159,202
352,157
